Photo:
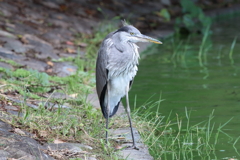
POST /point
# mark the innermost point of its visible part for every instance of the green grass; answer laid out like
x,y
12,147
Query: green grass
x,y
167,138
11,62
177,138
231,50
80,123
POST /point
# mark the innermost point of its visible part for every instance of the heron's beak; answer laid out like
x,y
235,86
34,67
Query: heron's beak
x,y
145,38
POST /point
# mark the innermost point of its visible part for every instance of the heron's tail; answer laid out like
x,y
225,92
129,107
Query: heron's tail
x,y
104,110
103,105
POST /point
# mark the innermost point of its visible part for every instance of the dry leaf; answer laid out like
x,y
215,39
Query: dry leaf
x,y
70,50
70,43
63,7
118,147
19,131
50,70
73,95
57,141
50,63
43,133
81,44
70,69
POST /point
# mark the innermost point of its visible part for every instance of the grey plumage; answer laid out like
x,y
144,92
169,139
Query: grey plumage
x,y
116,68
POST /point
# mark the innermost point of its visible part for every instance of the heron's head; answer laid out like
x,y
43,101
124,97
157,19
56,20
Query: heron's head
x,y
132,34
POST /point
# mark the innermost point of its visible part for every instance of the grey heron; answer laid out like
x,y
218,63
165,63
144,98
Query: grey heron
x,y
116,67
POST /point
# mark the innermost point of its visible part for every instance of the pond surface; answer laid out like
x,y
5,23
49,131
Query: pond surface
x,y
182,80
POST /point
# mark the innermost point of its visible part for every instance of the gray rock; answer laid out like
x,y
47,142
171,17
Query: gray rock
x,y
53,38
74,147
22,60
63,69
4,126
36,16
43,48
20,28
60,16
31,63
6,53
21,147
57,36
166,2
5,65
4,155
58,23
7,10
50,4
84,26
6,34
14,45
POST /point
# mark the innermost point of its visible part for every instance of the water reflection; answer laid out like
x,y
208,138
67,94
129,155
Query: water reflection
x,y
200,76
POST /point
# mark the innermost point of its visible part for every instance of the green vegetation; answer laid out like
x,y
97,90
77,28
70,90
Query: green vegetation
x,y
11,62
176,138
193,19
69,118
75,120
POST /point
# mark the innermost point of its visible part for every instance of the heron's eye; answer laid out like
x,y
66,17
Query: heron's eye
x,y
131,33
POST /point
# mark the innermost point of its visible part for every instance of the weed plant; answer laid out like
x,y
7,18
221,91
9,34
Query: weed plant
x,y
176,138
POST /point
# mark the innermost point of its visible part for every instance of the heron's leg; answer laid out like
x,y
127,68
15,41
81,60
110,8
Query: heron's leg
x,y
129,118
108,108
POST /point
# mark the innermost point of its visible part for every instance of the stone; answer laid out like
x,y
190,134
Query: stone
x,y
21,146
166,2
58,23
126,133
54,38
50,5
7,10
6,34
32,63
4,155
4,126
74,147
44,49
6,53
20,28
84,26
63,69
57,36
5,65
14,45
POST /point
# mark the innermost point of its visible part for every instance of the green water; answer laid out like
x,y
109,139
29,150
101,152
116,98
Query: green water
x,y
184,81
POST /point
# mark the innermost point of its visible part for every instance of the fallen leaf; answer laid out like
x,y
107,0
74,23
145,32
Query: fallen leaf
x,y
70,69
19,131
70,50
69,43
73,95
63,7
50,63
43,133
90,11
50,70
118,147
57,141
81,44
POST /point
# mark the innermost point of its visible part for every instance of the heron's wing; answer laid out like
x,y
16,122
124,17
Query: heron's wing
x,y
102,72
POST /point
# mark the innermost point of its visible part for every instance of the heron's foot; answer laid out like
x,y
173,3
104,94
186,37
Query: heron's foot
x,y
133,147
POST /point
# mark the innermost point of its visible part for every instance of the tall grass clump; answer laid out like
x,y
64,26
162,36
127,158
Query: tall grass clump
x,y
231,50
174,136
